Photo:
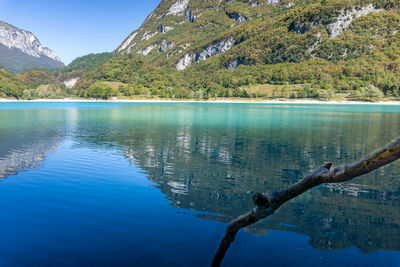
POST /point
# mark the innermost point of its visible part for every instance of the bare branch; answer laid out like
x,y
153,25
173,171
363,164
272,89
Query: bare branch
x,y
268,204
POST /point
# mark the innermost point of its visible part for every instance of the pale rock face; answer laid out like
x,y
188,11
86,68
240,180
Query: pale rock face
x,y
345,53
215,49
346,17
162,46
25,41
147,50
127,42
274,2
178,8
341,22
185,45
179,50
311,49
234,64
184,62
128,50
165,29
147,35
165,45
71,83
208,51
290,4
168,28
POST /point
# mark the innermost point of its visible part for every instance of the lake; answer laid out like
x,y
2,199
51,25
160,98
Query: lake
x,y
155,184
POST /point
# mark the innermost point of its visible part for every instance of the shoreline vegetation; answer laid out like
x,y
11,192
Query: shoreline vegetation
x,y
299,52
220,101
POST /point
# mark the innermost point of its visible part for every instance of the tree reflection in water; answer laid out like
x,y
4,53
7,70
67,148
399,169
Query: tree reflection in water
x,y
211,159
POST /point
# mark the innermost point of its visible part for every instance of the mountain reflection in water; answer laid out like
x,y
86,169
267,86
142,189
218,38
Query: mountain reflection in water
x,y
212,158
25,141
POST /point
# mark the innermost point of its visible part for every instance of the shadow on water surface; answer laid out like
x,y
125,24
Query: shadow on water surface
x,y
212,158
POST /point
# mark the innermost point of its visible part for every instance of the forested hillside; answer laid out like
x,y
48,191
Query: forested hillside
x,y
267,48
49,84
304,48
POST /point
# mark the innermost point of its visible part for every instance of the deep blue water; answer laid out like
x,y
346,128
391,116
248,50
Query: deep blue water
x,y
112,184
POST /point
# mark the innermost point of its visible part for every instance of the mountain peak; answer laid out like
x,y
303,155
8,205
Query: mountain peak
x,y
17,44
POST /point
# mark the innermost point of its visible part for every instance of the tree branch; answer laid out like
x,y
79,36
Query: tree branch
x,y
267,204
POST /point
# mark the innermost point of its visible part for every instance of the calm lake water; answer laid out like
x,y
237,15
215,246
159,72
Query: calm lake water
x,y
112,184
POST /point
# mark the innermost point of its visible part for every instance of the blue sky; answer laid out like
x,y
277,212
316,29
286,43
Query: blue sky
x,y
75,28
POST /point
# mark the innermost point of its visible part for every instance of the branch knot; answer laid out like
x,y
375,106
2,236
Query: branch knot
x,y
261,200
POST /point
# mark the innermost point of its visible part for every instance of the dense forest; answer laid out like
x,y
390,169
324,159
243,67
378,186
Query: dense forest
x,y
323,49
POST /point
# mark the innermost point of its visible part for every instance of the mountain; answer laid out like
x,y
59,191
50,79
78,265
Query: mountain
x,y
20,50
79,66
265,48
253,32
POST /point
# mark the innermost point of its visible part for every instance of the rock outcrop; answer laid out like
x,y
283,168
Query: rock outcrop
x,y
214,27
340,23
239,18
207,52
162,46
178,8
343,21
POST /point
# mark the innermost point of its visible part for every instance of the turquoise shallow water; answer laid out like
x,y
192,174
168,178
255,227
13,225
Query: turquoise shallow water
x,y
112,184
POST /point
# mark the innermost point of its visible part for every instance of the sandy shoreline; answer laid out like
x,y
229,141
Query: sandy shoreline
x,y
221,101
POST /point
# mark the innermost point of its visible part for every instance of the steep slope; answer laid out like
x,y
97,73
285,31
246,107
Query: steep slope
x,y
190,31
193,31
79,66
21,50
208,48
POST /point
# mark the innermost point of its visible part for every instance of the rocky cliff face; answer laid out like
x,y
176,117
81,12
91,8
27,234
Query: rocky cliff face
x,y
206,52
184,32
187,32
21,50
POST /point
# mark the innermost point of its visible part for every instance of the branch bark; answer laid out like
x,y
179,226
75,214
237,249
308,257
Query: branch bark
x,y
267,204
